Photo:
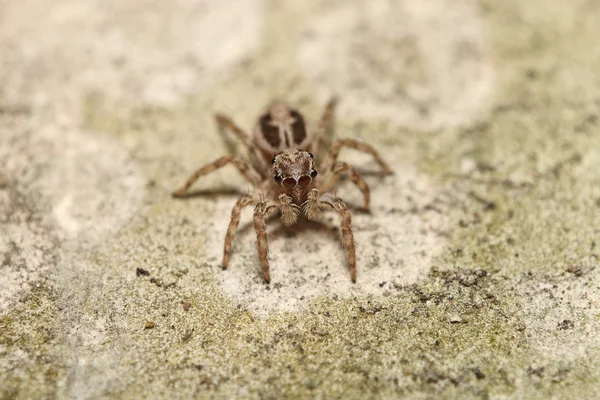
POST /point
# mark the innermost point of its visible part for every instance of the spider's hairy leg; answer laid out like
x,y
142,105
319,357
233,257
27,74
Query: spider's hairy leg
x,y
345,168
226,123
324,124
262,212
246,170
242,202
336,147
313,206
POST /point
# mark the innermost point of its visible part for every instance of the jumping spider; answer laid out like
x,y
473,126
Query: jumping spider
x,y
284,170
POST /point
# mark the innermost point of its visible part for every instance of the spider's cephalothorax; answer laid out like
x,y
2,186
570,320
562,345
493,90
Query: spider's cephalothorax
x,y
284,171
294,170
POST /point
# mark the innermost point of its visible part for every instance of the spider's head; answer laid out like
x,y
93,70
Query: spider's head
x,y
294,168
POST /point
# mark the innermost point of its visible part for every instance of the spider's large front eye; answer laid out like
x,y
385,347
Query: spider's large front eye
x,y
289,183
304,180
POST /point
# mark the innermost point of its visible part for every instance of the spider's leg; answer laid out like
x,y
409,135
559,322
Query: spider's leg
x,y
345,168
262,211
246,170
313,206
325,123
225,124
244,201
335,148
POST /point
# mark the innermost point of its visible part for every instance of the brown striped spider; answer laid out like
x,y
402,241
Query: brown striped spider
x,y
283,169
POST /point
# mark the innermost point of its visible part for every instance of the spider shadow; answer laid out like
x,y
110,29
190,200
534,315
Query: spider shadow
x,y
371,172
303,227
211,194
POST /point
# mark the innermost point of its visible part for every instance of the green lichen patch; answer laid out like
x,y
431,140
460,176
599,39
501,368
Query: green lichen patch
x,y
30,343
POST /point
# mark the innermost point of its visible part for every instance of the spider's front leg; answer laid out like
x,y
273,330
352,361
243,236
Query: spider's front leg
x,y
241,203
246,170
262,212
312,208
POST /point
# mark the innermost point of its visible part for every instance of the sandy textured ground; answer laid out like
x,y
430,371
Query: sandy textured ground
x,y
478,271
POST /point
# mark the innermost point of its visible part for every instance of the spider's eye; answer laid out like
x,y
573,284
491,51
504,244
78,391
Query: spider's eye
x,y
304,180
273,162
314,173
311,155
277,178
289,183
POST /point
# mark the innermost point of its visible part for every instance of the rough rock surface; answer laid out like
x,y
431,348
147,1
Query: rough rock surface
x,y
478,272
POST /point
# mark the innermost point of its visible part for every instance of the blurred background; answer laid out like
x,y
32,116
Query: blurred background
x,y
478,265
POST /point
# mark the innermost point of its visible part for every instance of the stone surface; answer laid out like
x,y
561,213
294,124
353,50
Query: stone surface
x,y
478,271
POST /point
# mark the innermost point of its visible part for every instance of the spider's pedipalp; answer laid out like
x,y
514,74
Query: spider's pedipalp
x,y
289,210
311,205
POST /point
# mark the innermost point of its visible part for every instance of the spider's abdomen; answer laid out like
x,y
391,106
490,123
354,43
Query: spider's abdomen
x,y
281,128
298,128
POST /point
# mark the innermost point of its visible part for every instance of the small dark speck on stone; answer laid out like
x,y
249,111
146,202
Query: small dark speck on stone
x,y
478,373
490,205
535,371
149,325
186,305
570,268
531,74
566,324
141,272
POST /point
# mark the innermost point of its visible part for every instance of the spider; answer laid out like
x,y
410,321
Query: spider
x,y
284,170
